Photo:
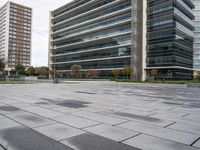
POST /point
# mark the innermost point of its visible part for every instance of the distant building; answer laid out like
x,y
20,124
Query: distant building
x,y
197,35
111,34
15,34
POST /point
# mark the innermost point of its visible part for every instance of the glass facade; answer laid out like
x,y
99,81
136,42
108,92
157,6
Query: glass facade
x,y
91,35
110,34
197,35
170,38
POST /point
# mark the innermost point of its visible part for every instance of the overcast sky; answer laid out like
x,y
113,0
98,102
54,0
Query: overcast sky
x,y
40,26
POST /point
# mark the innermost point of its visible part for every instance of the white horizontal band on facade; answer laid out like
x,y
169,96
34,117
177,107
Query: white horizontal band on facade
x,y
115,35
87,13
92,20
92,50
90,31
90,60
103,69
72,10
170,67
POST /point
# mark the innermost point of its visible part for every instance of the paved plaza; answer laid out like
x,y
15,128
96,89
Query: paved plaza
x,y
99,116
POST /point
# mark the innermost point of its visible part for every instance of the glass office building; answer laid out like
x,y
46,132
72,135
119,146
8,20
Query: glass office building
x,y
111,34
197,35
15,35
170,38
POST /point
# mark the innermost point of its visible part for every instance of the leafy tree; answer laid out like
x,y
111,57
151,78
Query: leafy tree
x,y
197,75
30,70
20,69
127,70
116,73
154,73
75,70
2,65
42,71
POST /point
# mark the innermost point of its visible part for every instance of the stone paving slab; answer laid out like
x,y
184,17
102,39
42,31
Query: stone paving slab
x,y
141,108
42,111
177,119
30,120
169,134
19,104
95,109
65,110
21,138
76,122
147,142
186,127
143,119
112,132
46,105
59,131
193,116
5,109
104,106
98,117
7,123
174,113
95,142
137,112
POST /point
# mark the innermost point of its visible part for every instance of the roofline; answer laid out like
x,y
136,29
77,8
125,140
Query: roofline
x,y
15,4
21,5
4,5
63,6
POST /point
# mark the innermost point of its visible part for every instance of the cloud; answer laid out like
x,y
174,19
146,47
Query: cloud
x,y
40,27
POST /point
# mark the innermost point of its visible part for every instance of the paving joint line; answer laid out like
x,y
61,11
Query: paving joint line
x,y
1,146
130,137
185,115
195,141
122,122
169,124
92,126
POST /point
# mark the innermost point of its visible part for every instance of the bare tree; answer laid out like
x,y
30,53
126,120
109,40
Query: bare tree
x,y
154,73
91,73
116,73
127,70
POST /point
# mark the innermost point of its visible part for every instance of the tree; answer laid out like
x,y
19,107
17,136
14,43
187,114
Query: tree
x,y
42,71
116,72
20,69
154,73
196,75
127,70
2,65
30,70
75,70
91,73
